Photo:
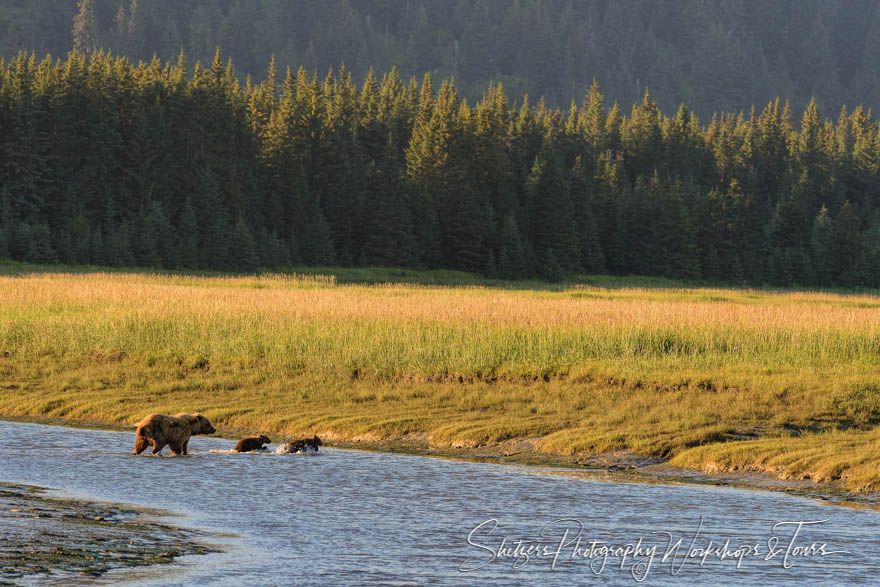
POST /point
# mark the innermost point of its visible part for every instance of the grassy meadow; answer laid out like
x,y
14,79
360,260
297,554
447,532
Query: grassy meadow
x,y
715,379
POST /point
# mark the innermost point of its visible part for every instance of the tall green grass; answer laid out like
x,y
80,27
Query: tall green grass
x,y
313,323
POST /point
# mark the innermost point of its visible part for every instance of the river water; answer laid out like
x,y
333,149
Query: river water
x,y
358,518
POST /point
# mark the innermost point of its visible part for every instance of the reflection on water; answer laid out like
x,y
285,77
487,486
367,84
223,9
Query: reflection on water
x,y
359,518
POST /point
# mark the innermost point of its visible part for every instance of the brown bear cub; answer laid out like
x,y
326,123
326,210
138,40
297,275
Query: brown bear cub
x,y
301,445
157,430
252,443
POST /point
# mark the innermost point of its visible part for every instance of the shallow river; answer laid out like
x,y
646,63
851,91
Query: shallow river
x,y
360,518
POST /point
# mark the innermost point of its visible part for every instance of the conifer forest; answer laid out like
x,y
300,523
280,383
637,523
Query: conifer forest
x,y
413,147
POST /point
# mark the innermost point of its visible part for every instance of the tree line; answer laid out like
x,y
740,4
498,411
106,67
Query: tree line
x,y
167,164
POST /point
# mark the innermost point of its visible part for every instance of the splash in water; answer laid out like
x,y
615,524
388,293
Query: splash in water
x,y
302,446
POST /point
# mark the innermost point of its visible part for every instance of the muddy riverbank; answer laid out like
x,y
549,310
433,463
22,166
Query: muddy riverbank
x,y
45,537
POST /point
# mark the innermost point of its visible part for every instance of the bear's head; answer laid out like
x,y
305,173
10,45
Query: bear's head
x,y
201,425
265,439
317,441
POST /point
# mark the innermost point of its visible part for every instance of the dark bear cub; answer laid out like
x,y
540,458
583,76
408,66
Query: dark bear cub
x,y
252,443
301,446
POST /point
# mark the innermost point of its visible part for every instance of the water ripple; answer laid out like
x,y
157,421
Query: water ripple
x,y
360,518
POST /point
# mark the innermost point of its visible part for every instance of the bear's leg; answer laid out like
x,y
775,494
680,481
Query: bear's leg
x,y
186,446
175,447
157,447
140,445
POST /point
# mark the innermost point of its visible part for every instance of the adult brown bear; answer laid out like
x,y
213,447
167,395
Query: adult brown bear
x,y
157,430
252,443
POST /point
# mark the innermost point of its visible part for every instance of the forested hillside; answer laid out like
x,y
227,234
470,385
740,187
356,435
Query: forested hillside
x,y
714,55
178,165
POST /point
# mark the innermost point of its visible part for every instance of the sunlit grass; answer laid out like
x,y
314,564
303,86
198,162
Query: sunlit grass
x,y
712,378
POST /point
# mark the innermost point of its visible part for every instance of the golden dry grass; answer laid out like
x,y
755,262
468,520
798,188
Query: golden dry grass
x,y
715,379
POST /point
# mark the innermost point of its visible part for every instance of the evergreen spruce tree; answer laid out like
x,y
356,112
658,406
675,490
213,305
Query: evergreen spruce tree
x,y
550,268
215,227
712,264
40,250
187,237
872,253
591,256
293,249
119,249
678,235
491,269
790,228
84,27
782,263
737,274
820,244
553,215
729,227
146,250
317,241
281,251
387,221
81,240
97,248
64,246
19,240
245,255
5,223
845,245
591,122
163,234
649,229
861,272
512,260
273,252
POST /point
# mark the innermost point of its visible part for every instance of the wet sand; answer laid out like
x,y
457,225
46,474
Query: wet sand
x,y
43,537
